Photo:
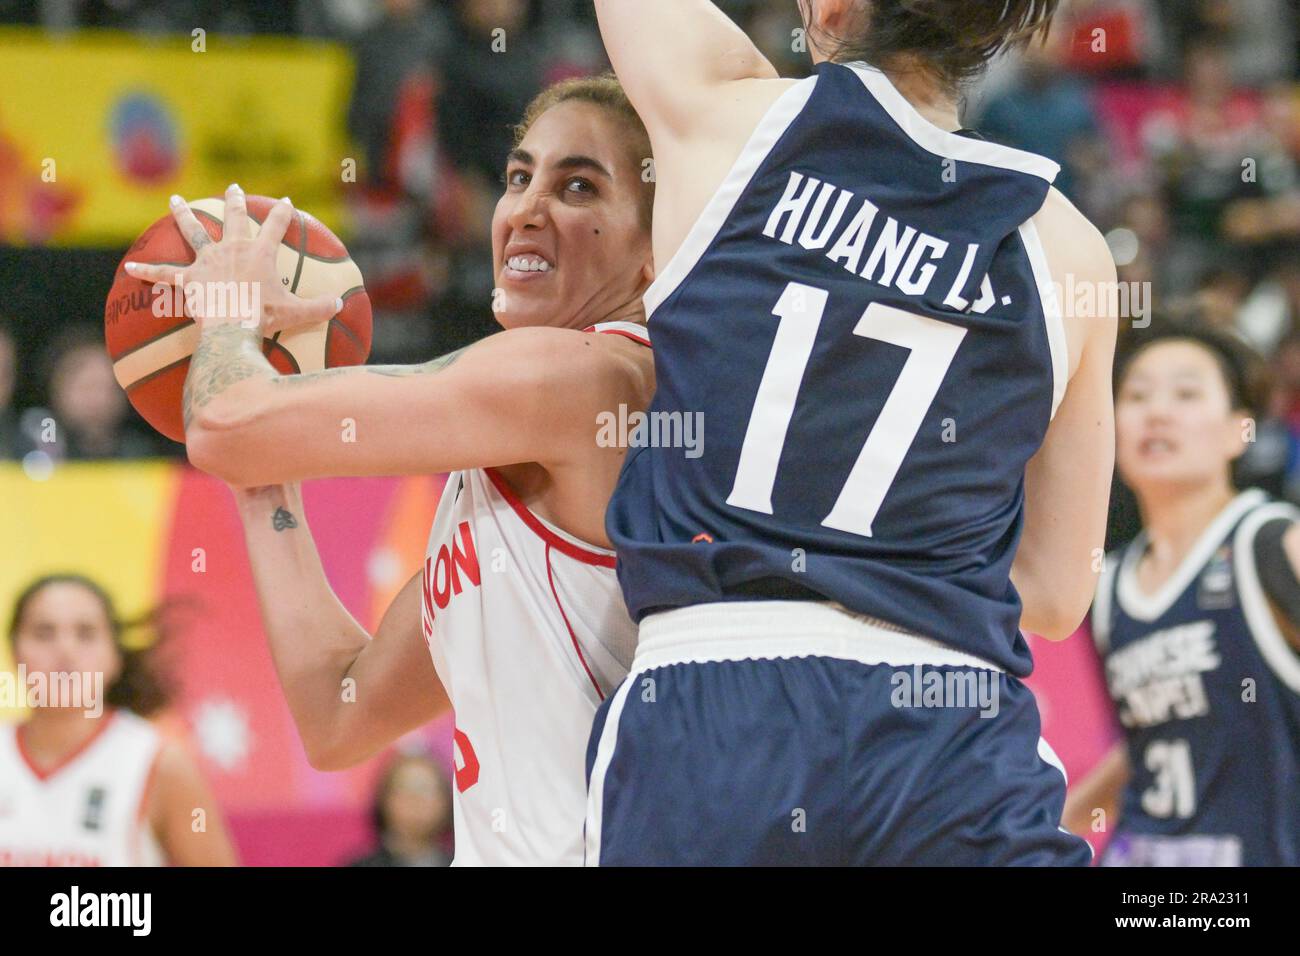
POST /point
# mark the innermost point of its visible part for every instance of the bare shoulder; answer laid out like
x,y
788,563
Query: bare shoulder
x,y
623,368
1082,272
570,375
568,355
1071,240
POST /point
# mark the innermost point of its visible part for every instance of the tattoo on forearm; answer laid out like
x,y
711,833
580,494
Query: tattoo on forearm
x,y
283,520
433,365
391,371
226,354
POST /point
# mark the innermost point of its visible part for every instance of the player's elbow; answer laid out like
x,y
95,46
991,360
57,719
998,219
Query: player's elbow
x,y
221,439
1056,614
1055,601
330,754
326,760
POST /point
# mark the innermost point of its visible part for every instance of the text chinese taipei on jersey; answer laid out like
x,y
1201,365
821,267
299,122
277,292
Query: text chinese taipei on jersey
x,y
1207,690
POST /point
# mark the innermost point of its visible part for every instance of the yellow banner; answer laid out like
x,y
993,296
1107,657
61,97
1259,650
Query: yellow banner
x,y
98,128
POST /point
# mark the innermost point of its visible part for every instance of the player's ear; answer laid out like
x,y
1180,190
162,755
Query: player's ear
x,y
832,15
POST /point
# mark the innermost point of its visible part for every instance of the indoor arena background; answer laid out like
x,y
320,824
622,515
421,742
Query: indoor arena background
x,y
390,121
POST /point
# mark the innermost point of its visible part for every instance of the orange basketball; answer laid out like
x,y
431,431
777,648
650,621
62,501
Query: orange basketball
x,y
151,347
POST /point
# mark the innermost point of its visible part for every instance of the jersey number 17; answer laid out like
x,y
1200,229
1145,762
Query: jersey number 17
x,y
932,345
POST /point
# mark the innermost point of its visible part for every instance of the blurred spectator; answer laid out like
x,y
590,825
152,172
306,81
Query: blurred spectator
x,y
1110,37
12,443
172,16
1259,35
90,410
493,68
408,38
19,11
1219,168
1048,111
1273,309
412,815
1286,407
1220,295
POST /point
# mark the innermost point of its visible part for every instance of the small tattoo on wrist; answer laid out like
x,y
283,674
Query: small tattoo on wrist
x,y
283,519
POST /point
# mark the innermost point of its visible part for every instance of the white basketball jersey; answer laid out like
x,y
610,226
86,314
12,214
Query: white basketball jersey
x,y
528,632
87,811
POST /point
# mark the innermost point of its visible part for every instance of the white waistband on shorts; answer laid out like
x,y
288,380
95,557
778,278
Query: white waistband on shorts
x,y
738,630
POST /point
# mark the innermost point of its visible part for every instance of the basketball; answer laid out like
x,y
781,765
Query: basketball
x,y
150,339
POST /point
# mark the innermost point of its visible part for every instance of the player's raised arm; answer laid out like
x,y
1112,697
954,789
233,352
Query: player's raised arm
x,y
350,694
1067,482
672,56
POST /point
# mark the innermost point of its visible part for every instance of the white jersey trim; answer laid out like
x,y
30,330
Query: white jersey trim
x,y
944,143
567,544
108,721
764,630
599,768
770,129
1142,607
1263,626
1057,343
632,330
745,630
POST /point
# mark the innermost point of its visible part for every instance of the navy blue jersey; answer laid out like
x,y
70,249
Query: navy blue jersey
x,y
1207,691
861,337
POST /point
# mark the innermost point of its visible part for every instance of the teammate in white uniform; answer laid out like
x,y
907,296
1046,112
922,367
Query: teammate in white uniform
x,y
86,811
517,599
84,782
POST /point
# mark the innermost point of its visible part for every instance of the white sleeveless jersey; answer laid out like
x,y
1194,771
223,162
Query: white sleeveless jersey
x,y
87,811
528,632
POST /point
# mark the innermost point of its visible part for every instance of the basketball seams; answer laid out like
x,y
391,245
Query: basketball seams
x,y
151,369
302,249
336,324
151,340
156,373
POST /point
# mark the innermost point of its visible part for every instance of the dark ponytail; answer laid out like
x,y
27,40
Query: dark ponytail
x,y
954,39
142,687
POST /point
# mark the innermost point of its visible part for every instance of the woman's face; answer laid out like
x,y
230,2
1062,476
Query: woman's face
x,y
568,243
1174,421
84,391
64,630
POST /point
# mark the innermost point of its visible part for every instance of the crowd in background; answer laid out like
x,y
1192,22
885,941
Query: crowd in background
x,y
1177,124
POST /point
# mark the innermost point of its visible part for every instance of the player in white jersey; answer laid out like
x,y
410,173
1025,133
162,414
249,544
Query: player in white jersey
x,y
528,632
84,781
517,601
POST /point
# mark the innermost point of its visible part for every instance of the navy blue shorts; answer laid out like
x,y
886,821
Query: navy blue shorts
x,y
824,761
